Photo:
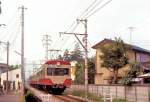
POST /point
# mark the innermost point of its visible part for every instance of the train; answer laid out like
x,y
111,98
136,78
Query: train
x,y
53,76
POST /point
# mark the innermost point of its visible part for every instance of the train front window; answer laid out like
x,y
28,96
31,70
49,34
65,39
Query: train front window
x,y
57,71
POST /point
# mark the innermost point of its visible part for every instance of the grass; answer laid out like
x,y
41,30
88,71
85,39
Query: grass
x,y
119,100
93,97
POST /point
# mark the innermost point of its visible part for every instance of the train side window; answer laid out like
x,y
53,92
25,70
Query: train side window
x,y
66,71
49,71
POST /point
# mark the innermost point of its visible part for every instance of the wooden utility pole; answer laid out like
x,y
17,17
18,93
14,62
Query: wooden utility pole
x,y
85,47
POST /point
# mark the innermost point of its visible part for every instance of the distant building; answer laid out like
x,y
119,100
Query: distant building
x,y
135,54
73,69
14,79
3,67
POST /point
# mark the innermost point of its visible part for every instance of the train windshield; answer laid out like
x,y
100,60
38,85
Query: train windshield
x,y
57,71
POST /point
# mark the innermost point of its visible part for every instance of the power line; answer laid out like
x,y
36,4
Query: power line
x,y
92,8
87,8
10,22
74,25
102,6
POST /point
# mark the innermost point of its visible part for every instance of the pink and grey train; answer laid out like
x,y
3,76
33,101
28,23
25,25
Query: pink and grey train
x,y
53,76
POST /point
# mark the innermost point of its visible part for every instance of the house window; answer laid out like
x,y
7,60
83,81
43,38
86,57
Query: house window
x,y
17,75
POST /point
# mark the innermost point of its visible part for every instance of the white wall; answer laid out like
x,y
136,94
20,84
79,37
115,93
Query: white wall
x,y
12,76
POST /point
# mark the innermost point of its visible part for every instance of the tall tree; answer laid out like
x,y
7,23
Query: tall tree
x,y
79,74
91,71
76,54
114,57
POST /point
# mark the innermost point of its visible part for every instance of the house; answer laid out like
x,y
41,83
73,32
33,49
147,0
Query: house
x,y
14,79
134,54
3,67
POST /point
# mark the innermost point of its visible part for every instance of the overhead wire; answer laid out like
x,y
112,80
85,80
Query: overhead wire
x,y
69,36
14,31
74,22
102,6
93,7
87,8
13,41
89,11
10,22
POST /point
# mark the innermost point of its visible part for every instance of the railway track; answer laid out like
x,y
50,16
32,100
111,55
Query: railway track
x,y
69,98
62,98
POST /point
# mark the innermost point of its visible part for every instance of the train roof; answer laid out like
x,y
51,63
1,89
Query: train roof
x,y
58,62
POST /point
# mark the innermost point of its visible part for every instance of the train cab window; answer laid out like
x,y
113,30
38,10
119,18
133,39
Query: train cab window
x,y
49,71
57,71
66,71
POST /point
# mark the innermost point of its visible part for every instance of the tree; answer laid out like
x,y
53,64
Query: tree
x,y
12,67
135,70
79,74
91,71
60,57
66,55
76,54
114,57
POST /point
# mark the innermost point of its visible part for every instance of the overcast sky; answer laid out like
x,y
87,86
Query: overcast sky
x,y
54,16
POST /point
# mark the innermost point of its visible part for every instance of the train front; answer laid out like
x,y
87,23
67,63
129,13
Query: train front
x,y
59,75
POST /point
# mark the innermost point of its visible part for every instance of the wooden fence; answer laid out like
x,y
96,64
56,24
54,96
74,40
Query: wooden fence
x,y
138,93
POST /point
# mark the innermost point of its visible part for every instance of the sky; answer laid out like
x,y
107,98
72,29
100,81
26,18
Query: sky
x,y
53,16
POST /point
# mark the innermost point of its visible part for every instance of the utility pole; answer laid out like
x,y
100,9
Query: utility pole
x,y
7,44
0,8
46,39
131,30
7,66
22,51
85,47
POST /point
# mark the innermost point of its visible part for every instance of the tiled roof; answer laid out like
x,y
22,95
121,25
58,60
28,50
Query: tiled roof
x,y
133,47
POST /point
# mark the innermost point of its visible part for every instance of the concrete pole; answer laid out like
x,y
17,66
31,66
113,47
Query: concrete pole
x,y
86,58
22,52
86,55
7,67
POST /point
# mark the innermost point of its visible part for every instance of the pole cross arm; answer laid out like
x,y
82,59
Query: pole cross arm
x,y
71,33
4,42
75,34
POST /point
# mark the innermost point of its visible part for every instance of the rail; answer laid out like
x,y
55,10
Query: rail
x,y
69,98
45,97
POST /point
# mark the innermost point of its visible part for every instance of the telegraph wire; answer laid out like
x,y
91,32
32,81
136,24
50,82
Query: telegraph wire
x,y
87,8
92,8
102,6
69,36
11,22
73,25
89,11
